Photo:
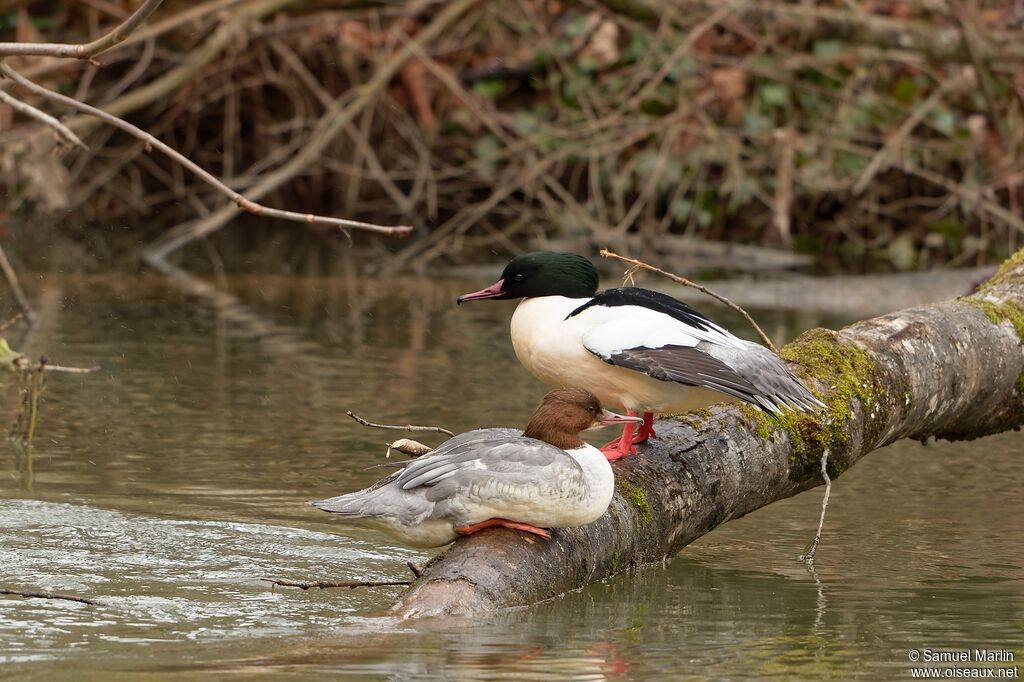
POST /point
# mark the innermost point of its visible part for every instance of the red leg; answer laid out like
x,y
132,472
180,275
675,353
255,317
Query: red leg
x,y
646,429
623,445
504,523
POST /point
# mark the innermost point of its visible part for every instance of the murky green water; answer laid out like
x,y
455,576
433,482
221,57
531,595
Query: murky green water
x,y
166,485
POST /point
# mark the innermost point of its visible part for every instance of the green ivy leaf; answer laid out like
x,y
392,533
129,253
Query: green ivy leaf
x,y
489,87
774,95
828,48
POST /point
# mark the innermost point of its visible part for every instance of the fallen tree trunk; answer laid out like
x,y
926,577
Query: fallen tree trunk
x,y
953,370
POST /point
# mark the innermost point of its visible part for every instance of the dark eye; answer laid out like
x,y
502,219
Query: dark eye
x,y
519,278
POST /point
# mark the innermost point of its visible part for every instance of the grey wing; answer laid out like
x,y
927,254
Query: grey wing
x,y
450,455
751,373
475,435
513,463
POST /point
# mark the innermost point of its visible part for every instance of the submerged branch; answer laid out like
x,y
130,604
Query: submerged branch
x,y
12,281
325,584
33,594
812,548
69,370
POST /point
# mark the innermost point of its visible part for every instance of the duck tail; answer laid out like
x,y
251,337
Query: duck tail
x,y
778,389
352,505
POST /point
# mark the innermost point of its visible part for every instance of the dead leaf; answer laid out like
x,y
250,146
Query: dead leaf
x,y
730,83
414,78
603,48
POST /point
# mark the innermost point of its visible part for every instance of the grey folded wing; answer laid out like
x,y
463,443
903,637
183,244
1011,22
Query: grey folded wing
x,y
751,373
490,462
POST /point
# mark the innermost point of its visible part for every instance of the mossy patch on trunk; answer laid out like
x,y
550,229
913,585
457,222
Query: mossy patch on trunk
x,y
998,312
1008,271
637,499
846,373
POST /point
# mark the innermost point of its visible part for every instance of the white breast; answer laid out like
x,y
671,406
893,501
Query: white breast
x,y
548,346
600,484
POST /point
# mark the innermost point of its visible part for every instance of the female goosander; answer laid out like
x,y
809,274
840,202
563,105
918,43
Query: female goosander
x,y
635,349
545,478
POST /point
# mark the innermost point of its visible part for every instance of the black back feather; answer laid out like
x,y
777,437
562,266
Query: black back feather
x,y
646,298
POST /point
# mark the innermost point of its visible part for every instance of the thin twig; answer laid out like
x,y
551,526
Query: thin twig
x,y
63,132
150,142
69,370
31,594
407,427
324,584
808,556
881,159
12,281
331,124
972,42
699,287
11,322
113,37
971,195
416,569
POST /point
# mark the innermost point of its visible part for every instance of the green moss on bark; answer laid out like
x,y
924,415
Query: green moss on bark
x,y
999,312
760,422
695,419
1008,271
637,499
848,373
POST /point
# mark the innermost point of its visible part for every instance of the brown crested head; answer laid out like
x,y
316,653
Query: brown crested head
x,y
564,413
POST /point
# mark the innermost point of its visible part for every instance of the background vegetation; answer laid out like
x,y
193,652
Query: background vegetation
x,y
865,133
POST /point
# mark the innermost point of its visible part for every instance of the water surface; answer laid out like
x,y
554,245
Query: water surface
x,y
167,484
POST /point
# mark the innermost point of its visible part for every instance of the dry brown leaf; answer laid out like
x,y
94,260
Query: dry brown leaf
x,y
730,83
603,47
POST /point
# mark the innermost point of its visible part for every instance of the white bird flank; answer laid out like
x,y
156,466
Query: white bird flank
x,y
613,330
641,350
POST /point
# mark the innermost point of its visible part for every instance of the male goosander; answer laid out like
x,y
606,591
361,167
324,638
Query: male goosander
x,y
635,349
545,478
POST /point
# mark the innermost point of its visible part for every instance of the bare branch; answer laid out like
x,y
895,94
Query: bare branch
x,y
882,157
31,594
11,322
87,50
12,281
407,427
330,125
808,556
63,132
638,264
324,584
151,142
69,370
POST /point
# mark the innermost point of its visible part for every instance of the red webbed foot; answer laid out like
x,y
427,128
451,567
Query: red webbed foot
x,y
646,429
623,445
503,523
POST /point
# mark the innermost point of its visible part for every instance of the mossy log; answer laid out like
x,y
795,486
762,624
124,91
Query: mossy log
x,y
953,370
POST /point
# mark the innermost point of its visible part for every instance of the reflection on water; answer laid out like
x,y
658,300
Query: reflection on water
x,y
168,484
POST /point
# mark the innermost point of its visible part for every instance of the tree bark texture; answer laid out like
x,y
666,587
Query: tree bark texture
x,y
953,370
